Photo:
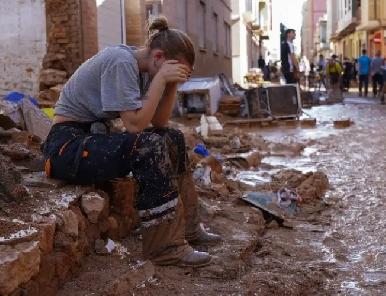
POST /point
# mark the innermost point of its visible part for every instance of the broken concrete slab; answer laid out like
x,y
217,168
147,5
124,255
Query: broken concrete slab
x,y
10,115
36,121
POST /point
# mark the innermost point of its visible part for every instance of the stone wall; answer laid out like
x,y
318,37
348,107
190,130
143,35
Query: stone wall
x,y
45,251
22,45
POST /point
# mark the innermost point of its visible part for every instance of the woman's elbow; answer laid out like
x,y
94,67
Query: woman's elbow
x,y
159,123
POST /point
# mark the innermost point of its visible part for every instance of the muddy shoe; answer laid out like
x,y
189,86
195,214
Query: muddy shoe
x,y
195,259
205,238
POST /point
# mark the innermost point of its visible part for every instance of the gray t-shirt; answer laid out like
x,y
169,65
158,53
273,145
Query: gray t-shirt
x,y
104,85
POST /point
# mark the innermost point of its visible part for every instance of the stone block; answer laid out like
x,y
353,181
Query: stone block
x,y
46,236
52,77
92,205
68,223
18,265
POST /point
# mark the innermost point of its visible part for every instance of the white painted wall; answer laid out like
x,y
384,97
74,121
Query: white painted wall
x,y
22,45
109,23
239,43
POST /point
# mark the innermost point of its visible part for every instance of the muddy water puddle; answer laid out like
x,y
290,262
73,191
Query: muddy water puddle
x,y
353,244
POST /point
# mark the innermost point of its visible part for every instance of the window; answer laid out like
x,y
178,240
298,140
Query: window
x,y
201,25
227,40
215,32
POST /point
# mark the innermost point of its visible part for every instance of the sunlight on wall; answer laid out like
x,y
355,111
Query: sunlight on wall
x,y
99,2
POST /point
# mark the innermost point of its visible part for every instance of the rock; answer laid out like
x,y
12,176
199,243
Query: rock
x,y
15,151
68,223
214,164
314,186
52,77
92,205
100,247
254,159
39,179
9,180
131,279
18,265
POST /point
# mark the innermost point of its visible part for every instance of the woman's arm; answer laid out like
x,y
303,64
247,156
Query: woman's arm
x,y
165,106
171,72
137,120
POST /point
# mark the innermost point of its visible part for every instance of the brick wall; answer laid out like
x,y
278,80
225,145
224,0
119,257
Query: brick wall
x,y
135,22
71,38
89,28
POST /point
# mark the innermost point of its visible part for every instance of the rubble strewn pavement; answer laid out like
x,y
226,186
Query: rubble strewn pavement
x,y
47,227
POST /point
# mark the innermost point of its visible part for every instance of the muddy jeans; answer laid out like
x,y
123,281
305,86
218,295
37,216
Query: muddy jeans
x,y
157,159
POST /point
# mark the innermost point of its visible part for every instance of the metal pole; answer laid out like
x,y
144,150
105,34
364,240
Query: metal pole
x,y
122,11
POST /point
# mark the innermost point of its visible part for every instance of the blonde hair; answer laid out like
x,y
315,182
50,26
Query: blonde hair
x,y
172,41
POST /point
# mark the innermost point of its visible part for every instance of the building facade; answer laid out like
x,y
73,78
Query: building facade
x,y
373,25
357,25
207,22
251,26
312,11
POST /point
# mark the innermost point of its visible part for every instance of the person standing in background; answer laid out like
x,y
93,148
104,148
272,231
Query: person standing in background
x,y
376,73
364,63
347,73
289,62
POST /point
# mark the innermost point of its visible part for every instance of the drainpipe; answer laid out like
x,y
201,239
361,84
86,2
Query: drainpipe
x,y
123,26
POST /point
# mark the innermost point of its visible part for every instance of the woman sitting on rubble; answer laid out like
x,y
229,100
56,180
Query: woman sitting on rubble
x,y
139,86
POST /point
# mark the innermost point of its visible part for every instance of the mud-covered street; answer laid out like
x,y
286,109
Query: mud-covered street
x,y
332,247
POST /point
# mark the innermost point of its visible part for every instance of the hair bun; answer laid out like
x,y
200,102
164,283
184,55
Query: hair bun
x,y
158,24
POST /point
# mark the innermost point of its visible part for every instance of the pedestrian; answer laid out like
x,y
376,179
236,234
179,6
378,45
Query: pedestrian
x,y
383,92
139,86
347,74
322,71
364,63
377,73
261,63
355,70
289,62
334,72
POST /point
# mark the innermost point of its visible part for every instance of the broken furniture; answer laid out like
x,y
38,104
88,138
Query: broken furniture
x,y
276,101
199,96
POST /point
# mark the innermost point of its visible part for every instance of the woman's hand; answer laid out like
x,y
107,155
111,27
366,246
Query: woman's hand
x,y
172,71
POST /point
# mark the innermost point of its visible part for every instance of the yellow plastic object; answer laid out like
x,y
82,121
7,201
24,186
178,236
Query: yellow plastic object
x,y
49,112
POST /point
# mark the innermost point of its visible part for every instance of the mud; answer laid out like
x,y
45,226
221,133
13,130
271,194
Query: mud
x,y
335,246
